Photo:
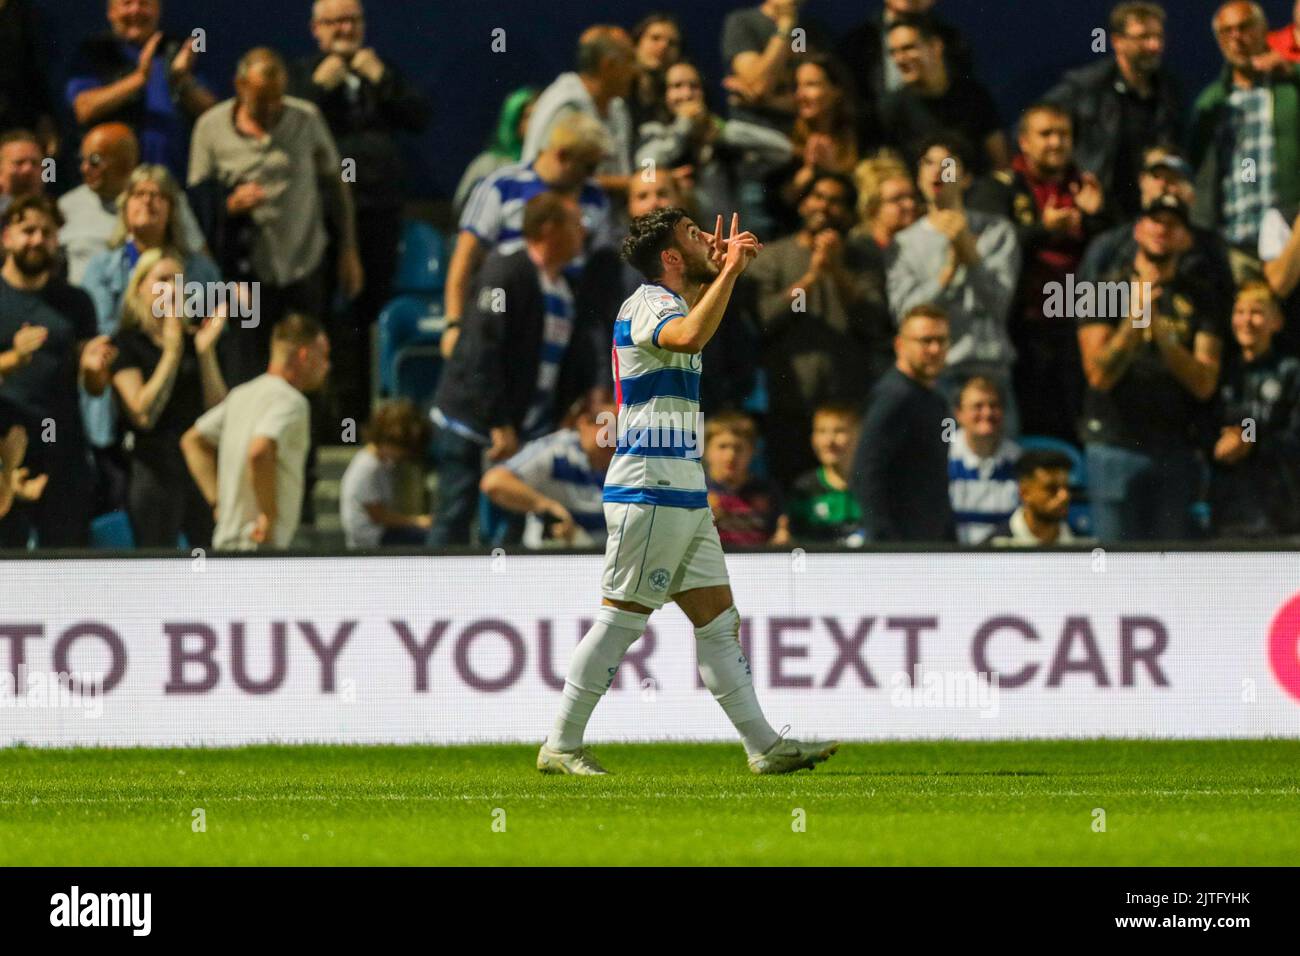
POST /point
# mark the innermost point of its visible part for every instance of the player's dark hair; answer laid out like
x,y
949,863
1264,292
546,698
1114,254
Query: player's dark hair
x,y
650,235
1041,458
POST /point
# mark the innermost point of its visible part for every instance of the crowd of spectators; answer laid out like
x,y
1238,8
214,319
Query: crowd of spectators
x,y
1079,323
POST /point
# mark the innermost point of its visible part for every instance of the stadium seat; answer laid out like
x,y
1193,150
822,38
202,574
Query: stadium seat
x,y
112,532
410,327
421,259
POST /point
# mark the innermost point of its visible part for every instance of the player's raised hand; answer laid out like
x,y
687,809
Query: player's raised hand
x,y
742,247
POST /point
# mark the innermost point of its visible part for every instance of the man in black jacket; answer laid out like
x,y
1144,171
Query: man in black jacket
x,y
900,468
1122,106
517,360
366,102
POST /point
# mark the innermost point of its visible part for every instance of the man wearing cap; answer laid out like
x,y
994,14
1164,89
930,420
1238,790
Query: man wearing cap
x,y
1122,105
1164,172
1151,343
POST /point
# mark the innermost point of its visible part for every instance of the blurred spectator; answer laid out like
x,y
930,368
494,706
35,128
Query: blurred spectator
x,y
1121,107
759,45
1043,483
1165,172
25,99
887,202
746,509
657,39
716,158
967,262
822,315
147,219
166,375
108,154
865,49
607,68
932,99
248,454
1247,120
821,508
367,495
1255,486
900,467
137,75
1279,253
825,135
366,102
1285,40
981,462
505,378
506,147
271,171
20,167
1152,370
48,344
1056,209
558,480
493,218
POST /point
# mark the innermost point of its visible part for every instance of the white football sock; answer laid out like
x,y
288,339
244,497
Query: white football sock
x,y
591,671
726,673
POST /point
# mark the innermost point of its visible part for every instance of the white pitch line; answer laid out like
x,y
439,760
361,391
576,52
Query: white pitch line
x,y
498,798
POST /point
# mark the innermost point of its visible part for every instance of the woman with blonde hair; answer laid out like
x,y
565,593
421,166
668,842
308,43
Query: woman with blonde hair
x,y
886,198
150,216
166,375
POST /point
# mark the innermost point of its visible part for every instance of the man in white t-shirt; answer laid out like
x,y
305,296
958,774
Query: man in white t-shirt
x,y
248,454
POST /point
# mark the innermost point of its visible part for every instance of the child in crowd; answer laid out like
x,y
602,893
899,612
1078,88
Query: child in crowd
x,y
821,507
1255,486
747,510
397,432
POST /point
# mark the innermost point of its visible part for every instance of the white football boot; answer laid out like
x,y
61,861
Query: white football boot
x,y
787,756
579,762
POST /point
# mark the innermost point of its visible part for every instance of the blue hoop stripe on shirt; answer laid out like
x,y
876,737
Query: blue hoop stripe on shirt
x,y
662,383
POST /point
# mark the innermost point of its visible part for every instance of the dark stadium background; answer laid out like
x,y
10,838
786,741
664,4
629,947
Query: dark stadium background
x,y
1021,47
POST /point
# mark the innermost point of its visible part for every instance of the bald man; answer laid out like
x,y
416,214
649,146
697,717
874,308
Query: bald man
x,y
272,160
21,161
109,153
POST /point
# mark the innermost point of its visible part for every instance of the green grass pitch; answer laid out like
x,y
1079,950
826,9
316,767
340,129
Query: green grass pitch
x,y
936,803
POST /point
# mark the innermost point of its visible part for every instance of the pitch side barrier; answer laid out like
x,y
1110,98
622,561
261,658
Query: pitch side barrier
x,y
222,649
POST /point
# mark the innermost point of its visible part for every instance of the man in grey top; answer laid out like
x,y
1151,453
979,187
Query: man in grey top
x,y
272,158
248,455
964,261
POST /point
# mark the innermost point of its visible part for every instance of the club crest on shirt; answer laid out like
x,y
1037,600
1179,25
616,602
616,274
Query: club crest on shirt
x,y
659,579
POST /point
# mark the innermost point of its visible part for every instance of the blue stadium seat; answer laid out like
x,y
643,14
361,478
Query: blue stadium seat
x,y
410,327
112,532
421,259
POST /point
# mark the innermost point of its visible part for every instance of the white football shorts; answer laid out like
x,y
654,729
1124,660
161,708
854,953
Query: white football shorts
x,y
655,551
